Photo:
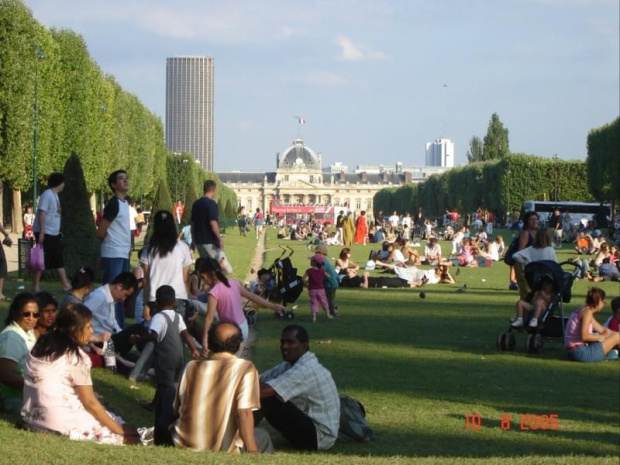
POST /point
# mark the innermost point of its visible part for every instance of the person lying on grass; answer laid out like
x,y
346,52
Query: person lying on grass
x,y
412,279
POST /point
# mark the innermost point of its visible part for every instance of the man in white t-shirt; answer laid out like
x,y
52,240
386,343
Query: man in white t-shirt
x,y
394,220
115,233
133,214
46,229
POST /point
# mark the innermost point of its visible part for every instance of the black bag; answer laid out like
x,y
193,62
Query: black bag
x,y
353,424
514,247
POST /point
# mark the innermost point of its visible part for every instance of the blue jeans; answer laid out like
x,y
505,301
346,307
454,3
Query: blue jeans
x,y
144,363
112,267
592,352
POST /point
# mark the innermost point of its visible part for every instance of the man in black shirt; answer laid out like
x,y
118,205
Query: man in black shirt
x,y
205,230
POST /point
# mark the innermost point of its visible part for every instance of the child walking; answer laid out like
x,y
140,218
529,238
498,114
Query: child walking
x,y
313,277
167,331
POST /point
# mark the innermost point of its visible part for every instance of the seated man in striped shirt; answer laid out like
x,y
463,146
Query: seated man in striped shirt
x,y
299,397
215,399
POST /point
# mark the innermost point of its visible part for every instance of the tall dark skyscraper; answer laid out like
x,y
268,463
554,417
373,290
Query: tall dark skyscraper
x,y
189,107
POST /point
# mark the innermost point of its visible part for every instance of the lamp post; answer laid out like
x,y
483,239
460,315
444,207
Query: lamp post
x,y
39,56
185,181
176,176
555,177
508,197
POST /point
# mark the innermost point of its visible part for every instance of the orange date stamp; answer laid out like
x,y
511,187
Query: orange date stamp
x,y
526,422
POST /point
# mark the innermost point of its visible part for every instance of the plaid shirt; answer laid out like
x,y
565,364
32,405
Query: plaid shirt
x,y
310,387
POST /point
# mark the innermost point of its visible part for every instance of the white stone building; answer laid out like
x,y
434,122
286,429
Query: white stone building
x,y
299,179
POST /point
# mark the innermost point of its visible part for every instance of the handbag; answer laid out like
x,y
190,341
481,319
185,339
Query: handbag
x,y
36,259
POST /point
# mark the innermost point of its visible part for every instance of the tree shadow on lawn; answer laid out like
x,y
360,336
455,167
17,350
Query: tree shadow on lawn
x,y
470,444
475,381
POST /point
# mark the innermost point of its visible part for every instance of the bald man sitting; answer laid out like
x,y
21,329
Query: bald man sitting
x,y
216,397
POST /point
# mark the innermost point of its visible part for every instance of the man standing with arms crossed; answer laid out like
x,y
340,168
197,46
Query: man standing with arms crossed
x,y
114,232
205,229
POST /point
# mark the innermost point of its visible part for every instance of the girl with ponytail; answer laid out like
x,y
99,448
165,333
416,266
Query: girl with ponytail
x,y
225,297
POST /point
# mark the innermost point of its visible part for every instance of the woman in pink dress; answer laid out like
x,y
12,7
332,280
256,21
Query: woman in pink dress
x,y
58,389
361,229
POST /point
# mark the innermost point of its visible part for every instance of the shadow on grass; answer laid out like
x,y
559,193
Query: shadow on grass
x,y
487,442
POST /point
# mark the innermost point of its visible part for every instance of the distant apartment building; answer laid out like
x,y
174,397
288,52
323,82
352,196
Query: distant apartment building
x,y
189,107
440,153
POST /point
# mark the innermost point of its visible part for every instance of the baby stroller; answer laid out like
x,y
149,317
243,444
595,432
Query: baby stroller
x,y
552,321
289,284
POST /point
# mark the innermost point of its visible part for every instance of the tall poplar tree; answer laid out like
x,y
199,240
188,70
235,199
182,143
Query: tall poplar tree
x,y
496,141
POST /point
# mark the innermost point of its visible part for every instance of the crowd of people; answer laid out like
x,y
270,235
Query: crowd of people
x,y
216,401
47,350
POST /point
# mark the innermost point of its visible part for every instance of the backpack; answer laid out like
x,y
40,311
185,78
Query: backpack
x,y
514,247
353,424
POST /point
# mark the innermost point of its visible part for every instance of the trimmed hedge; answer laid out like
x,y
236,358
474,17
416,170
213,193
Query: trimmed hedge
x,y
489,185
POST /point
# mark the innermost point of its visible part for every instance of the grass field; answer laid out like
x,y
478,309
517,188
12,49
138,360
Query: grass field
x,y
419,366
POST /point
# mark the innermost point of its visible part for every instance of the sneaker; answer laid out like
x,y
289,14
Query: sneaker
x,y
612,355
518,323
513,287
533,323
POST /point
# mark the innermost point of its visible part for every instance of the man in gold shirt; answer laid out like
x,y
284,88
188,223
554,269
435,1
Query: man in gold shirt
x,y
216,397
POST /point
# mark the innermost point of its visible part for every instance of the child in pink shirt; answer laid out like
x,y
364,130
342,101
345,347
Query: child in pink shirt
x,y
313,277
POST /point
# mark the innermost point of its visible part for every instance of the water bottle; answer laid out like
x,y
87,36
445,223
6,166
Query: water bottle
x,y
109,356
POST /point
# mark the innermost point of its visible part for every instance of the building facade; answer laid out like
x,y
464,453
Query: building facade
x,y
440,153
189,107
300,179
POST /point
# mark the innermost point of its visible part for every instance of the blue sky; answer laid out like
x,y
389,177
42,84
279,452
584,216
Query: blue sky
x,y
368,76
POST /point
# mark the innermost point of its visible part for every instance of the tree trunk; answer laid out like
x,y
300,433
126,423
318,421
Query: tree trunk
x,y
93,204
17,224
2,203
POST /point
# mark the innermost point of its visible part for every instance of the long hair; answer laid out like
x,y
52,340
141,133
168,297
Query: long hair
x,y
211,267
344,252
542,239
70,324
164,237
594,296
19,302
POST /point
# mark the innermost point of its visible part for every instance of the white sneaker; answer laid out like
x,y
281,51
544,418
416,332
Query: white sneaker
x,y
518,323
533,323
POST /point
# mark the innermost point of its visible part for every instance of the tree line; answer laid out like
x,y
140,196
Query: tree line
x,y
80,110
499,186
504,181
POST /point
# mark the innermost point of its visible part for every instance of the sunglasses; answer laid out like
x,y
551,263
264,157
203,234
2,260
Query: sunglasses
x,y
31,314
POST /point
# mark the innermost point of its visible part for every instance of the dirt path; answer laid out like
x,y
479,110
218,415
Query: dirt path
x,y
257,264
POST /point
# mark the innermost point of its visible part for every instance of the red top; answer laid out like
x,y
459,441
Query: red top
x,y
315,278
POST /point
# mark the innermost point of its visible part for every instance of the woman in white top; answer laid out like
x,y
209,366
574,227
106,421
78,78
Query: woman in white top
x,y
541,249
165,260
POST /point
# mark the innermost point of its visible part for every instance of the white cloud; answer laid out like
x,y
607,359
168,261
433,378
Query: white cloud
x,y
352,52
325,78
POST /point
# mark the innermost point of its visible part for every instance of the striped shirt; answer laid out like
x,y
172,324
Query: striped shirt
x,y
309,386
208,398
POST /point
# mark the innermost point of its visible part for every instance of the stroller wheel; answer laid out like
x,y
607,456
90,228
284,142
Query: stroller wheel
x,y
512,341
534,343
502,342
280,315
289,315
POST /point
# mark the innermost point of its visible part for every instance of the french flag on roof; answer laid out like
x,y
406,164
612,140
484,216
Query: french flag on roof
x,y
301,120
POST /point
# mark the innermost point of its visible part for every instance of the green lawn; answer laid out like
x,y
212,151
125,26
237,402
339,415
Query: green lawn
x,y
419,366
